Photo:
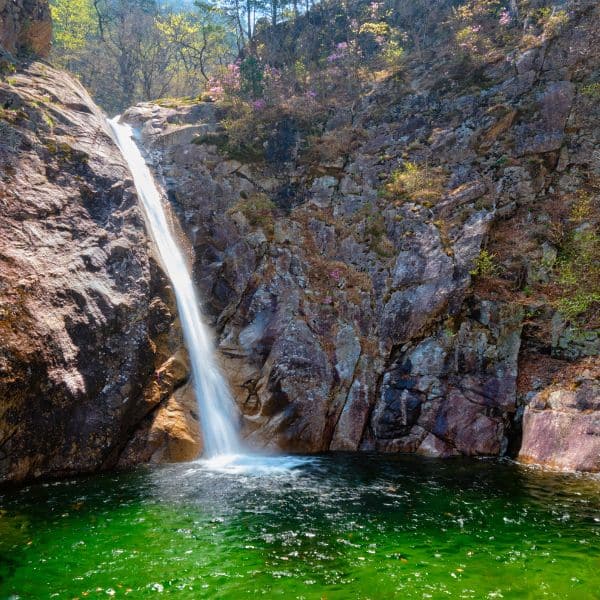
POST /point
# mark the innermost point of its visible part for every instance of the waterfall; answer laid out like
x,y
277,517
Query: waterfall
x,y
215,403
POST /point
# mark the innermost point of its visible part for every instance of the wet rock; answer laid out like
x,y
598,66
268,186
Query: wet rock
x,y
352,421
170,434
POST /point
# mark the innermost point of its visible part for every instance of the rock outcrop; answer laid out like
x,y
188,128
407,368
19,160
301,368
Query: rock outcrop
x,y
349,322
90,350
561,421
25,27
561,428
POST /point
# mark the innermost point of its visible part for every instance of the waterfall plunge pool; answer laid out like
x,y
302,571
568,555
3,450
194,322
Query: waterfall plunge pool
x,y
334,526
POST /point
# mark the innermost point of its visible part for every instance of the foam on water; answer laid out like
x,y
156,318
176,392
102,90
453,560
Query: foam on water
x,y
256,464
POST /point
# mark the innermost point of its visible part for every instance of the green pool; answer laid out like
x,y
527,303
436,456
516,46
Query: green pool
x,y
329,527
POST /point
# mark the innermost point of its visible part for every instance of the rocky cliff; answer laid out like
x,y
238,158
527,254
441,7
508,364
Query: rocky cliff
x,y
25,26
351,318
90,356
401,279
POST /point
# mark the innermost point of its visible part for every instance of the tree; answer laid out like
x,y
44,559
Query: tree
x,y
74,25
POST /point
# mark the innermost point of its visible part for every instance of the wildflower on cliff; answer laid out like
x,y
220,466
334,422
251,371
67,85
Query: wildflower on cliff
x,y
216,90
505,18
340,51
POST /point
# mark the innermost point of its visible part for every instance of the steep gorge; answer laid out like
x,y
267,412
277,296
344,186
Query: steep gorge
x,y
345,321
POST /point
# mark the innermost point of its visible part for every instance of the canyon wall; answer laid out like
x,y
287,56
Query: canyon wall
x,y
348,321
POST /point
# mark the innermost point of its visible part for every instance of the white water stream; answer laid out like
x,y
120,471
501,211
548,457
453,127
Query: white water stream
x,y
214,399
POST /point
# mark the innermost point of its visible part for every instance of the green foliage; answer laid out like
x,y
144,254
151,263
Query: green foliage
x,y
571,308
474,23
7,66
592,90
578,273
74,24
126,51
485,265
259,212
551,19
578,266
417,183
251,78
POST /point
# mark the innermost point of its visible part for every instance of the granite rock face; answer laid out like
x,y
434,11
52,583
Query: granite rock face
x,y
328,342
346,322
86,315
561,424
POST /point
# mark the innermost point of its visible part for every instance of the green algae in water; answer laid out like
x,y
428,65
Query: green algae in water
x,y
333,527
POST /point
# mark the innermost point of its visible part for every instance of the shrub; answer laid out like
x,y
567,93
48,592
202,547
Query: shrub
x,y
251,78
592,90
259,212
551,20
485,265
580,303
244,134
578,265
416,183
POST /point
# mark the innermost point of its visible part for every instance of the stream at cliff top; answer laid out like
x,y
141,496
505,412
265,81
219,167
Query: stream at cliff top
x,y
335,526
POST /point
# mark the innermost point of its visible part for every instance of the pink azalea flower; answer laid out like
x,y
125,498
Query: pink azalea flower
x,y
505,18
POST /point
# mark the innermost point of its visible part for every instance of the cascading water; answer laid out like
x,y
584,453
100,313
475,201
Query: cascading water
x,y
213,396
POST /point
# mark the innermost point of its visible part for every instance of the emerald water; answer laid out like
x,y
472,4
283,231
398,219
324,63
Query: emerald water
x,y
326,527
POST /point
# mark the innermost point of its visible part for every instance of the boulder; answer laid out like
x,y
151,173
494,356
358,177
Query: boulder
x,y
86,315
561,427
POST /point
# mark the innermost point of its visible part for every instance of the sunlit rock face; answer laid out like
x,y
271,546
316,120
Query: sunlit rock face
x,y
561,424
326,343
345,323
86,316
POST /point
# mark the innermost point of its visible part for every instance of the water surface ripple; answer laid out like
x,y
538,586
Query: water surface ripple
x,y
335,526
